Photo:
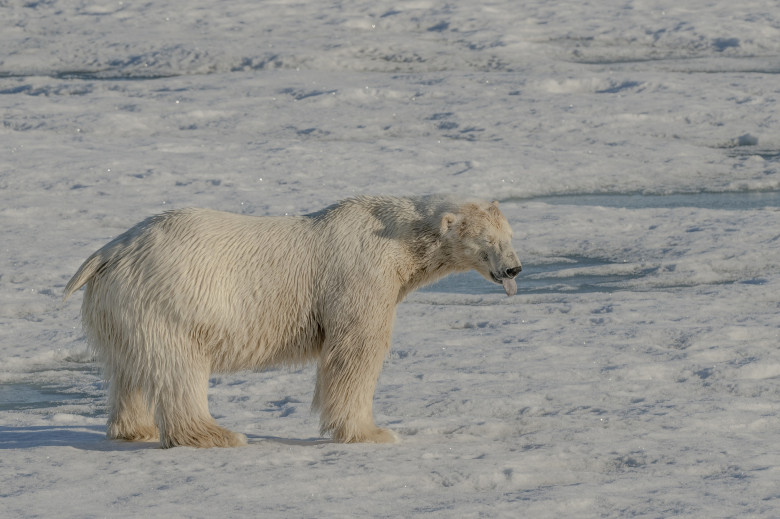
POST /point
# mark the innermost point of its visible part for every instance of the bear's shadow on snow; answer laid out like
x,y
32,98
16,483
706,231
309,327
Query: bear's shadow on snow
x,y
254,439
93,438
80,437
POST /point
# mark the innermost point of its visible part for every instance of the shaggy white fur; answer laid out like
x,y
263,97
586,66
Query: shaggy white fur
x,y
191,292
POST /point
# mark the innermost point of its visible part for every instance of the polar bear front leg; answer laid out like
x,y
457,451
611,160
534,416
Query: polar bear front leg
x,y
346,379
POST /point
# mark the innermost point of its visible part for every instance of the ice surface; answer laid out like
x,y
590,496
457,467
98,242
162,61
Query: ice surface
x,y
634,147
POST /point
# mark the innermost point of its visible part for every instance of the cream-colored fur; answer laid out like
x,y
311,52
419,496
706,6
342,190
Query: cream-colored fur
x,y
191,292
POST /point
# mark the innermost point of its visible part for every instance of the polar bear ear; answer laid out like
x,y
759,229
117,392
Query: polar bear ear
x,y
495,203
447,221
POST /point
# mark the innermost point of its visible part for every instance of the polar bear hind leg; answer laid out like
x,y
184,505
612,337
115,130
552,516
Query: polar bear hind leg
x,y
129,417
182,409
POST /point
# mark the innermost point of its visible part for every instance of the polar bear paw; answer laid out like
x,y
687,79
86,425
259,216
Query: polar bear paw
x,y
372,435
380,435
204,437
135,433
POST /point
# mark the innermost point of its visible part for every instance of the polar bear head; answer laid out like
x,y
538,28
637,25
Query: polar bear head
x,y
479,237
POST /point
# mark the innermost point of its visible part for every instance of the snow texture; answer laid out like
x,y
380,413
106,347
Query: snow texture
x,y
633,145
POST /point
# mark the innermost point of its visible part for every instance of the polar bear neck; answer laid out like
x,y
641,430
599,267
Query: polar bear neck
x,y
432,258
410,228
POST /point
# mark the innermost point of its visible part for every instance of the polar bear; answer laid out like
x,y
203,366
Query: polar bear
x,y
192,292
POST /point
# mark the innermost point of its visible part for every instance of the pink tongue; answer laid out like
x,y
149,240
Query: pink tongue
x,y
510,287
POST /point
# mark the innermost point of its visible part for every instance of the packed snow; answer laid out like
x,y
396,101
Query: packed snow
x,y
633,145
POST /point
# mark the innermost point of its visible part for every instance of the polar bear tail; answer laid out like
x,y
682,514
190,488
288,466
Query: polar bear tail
x,y
87,271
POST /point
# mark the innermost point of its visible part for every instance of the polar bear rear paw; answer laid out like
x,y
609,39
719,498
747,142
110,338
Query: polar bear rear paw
x,y
373,435
380,435
137,433
204,436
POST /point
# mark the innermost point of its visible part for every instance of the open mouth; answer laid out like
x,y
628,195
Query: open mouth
x,y
509,284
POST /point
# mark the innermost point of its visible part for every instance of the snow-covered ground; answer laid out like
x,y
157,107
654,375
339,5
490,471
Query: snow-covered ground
x,y
634,146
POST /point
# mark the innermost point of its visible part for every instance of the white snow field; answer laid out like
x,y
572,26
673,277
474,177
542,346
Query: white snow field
x,y
634,145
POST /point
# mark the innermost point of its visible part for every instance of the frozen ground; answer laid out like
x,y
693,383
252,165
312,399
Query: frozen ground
x,y
635,148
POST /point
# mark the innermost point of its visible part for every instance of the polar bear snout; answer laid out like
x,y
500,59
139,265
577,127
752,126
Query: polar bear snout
x,y
513,271
507,273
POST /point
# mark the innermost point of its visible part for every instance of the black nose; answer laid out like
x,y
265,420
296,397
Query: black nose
x,y
510,273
